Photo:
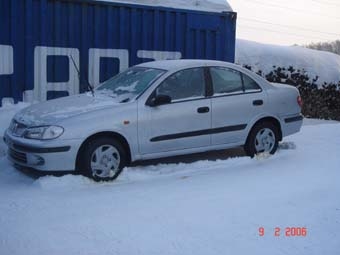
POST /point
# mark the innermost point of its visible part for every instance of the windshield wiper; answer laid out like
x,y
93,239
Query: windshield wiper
x,y
89,87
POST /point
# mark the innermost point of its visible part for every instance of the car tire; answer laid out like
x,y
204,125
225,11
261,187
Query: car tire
x,y
103,159
263,138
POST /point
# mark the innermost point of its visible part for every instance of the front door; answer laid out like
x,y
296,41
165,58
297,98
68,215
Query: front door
x,y
182,124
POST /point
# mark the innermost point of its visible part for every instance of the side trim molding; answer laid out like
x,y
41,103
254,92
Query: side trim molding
x,y
293,119
198,133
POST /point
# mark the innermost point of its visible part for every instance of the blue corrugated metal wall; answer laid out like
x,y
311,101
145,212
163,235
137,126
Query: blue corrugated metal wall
x,y
37,38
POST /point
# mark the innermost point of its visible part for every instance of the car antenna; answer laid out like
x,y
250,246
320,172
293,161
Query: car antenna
x,y
89,87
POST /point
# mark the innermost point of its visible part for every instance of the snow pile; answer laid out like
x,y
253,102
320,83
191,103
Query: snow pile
x,y
197,5
7,112
67,182
264,56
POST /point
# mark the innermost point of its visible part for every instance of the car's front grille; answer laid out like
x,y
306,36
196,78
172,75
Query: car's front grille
x,y
17,156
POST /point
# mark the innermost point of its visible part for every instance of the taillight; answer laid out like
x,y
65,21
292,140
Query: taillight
x,y
299,101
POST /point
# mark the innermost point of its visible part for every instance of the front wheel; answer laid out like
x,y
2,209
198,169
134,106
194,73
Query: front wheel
x,y
263,138
103,159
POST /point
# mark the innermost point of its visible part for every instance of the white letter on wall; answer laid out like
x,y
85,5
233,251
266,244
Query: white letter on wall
x,y
6,59
41,86
159,55
94,62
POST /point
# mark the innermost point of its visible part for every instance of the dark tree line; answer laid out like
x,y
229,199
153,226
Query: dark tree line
x,y
326,46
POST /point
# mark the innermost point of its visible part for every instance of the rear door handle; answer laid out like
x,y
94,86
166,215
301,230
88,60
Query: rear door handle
x,y
204,109
258,102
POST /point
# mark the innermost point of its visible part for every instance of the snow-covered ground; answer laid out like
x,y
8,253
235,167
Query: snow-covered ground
x,y
263,57
204,207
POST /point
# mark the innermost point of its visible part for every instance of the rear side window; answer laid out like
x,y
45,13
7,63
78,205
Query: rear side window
x,y
249,84
185,84
226,80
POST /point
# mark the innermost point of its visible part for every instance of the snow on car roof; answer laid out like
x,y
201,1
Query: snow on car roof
x,y
198,5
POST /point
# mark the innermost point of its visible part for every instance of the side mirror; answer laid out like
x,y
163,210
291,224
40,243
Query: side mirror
x,y
160,100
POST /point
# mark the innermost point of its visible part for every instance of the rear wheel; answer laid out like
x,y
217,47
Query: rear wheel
x,y
103,159
263,138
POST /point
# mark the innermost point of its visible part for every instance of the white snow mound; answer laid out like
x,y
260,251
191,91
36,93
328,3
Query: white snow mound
x,y
263,57
7,111
69,182
197,5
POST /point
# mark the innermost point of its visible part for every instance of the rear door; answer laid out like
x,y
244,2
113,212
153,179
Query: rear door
x,y
182,124
236,100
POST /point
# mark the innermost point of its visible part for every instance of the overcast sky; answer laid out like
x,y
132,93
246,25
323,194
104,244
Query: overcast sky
x,y
287,22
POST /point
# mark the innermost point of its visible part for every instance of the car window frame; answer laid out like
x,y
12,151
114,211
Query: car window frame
x,y
253,90
206,89
242,92
231,70
150,85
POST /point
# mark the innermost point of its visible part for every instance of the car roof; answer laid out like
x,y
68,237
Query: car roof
x,y
177,65
172,65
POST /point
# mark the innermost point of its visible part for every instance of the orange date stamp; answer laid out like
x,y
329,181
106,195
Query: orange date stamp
x,y
287,232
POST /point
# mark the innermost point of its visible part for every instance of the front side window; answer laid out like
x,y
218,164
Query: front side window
x,y
131,82
225,80
185,84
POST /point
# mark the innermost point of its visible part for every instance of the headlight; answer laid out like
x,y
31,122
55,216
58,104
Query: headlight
x,y
44,132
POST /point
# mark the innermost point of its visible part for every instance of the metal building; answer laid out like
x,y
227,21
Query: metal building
x,y
39,39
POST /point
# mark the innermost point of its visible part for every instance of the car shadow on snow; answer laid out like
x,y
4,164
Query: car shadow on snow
x,y
34,174
210,156
190,158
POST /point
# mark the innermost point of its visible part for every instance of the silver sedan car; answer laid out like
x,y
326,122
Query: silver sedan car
x,y
153,110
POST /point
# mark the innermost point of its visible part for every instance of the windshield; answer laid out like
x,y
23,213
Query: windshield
x,y
130,83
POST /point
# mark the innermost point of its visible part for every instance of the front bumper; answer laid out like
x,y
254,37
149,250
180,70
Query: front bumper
x,y
50,155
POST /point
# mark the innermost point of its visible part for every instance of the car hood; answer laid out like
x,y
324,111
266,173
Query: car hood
x,y
50,112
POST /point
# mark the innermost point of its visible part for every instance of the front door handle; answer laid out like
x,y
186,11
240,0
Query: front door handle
x,y
258,102
204,109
